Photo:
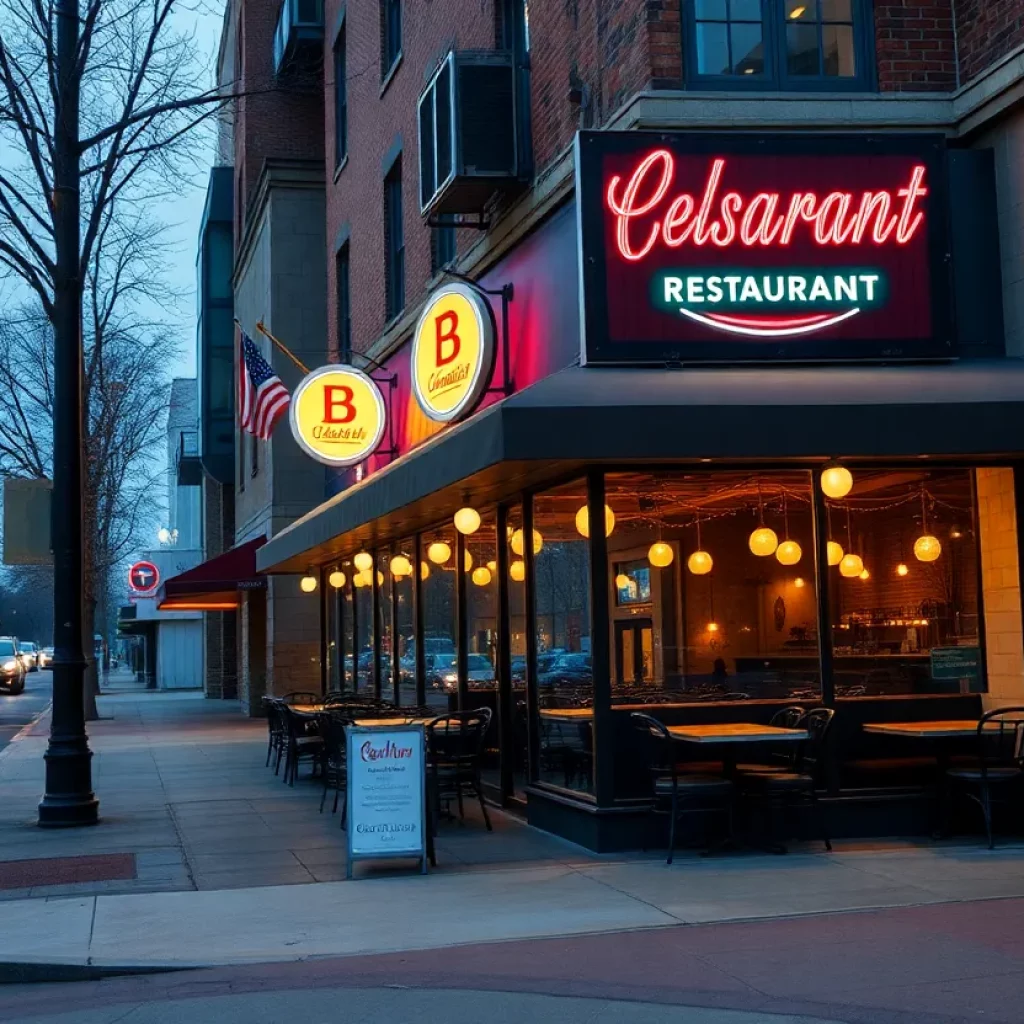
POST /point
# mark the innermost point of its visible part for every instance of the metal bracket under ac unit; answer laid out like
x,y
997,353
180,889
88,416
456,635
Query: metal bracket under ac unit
x,y
480,221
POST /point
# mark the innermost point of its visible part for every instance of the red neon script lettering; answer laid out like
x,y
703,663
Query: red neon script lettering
x,y
765,219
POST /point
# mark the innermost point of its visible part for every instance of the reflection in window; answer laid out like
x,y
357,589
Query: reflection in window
x,y
729,37
482,632
819,38
362,580
403,569
348,650
904,584
517,644
565,682
711,586
437,571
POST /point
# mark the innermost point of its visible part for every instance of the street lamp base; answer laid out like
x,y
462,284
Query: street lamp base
x,y
74,811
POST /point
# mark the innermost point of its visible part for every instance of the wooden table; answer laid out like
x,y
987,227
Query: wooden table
x,y
735,732
399,720
567,714
939,730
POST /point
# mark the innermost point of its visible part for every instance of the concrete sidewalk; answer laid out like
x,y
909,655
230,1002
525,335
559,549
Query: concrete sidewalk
x,y
205,857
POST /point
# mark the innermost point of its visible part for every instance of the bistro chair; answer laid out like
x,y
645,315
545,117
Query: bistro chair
x,y
302,697
1000,762
677,794
779,790
782,756
334,766
455,749
275,728
303,741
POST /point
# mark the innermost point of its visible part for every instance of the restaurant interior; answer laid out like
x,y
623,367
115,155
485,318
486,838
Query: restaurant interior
x,y
710,596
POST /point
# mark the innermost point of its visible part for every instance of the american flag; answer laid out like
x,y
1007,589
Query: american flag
x,y
262,398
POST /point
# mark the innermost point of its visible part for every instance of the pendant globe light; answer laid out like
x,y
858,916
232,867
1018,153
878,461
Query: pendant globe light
x,y
833,549
424,570
439,552
583,521
661,554
851,565
363,561
336,579
308,583
836,481
788,552
400,566
516,542
927,547
764,540
700,563
622,581
481,576
467,521
517,570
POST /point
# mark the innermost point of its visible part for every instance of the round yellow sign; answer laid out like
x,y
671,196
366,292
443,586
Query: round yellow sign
x,y
338,415
453,352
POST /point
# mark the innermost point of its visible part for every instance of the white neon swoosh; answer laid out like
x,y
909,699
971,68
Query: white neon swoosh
x,y
768,332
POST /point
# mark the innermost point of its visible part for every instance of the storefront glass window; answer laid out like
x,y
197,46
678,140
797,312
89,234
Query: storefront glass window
x,y
482,632
384,620
711,587
348,650
333,598
904,594
363,604
438,588
517,636
565,681
403,573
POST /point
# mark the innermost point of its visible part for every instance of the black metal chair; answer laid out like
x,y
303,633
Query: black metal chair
x,y
782,789
1000,762
302,697
334,765
275,730
782,756
455,748
676,794
303,742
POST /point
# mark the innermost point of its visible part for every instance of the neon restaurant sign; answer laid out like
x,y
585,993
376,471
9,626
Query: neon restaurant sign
x,y
724,248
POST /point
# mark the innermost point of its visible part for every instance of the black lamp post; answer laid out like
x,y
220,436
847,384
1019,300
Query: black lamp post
x,y
68,799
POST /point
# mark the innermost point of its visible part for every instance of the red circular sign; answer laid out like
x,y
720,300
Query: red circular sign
x,y
143,577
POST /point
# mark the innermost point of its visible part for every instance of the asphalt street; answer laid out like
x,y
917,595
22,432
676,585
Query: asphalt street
x,y
18,711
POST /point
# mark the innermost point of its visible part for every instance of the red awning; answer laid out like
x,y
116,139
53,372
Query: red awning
x,y
214,584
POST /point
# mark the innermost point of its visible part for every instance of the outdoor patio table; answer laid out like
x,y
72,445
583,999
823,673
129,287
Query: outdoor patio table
x,y
733,733
567,714
396,720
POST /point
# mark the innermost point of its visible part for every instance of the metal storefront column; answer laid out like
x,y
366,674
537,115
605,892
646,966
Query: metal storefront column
x,y
532,707
600,648
821,583
325,620
374,577
417,618
506,753
396,674
461,610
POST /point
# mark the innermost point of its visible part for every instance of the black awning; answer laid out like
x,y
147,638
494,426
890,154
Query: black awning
x,y
214,584
579,415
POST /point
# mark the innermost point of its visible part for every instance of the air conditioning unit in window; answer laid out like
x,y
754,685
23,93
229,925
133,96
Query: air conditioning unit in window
x,y
468,133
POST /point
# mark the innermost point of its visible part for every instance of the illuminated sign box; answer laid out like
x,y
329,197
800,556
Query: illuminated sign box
x,y
706,247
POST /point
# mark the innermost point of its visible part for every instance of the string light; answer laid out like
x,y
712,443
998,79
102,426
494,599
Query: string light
x,y
902,569
799,583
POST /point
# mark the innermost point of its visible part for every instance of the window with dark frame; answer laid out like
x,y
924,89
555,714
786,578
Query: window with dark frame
x,y
343,299
442,248
778,44
390,35
394,242
340,99
254,455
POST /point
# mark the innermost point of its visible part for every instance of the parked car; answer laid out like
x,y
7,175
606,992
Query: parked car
x,y
46,657
567,670
479,674
29,655
12,668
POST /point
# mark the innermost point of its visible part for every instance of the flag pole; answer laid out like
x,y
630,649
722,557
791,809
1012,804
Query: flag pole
x,y
282,346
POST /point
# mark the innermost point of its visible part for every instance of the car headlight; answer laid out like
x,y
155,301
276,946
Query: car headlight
x,y
10,666
451,678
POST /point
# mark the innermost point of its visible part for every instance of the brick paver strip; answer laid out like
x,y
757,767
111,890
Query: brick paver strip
x,y
104,867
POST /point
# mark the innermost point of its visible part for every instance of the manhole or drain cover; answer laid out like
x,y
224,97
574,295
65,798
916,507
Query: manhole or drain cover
x,y
104,867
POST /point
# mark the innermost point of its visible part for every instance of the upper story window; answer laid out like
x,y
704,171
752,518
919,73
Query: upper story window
x,y
390,35
778,44
394,242
341,280
442,248
340,100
